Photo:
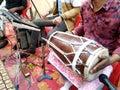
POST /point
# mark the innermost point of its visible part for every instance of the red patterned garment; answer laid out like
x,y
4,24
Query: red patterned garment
x,y
102,26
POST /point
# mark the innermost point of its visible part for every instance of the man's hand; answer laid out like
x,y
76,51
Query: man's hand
x,y
105,61
12,10
57,20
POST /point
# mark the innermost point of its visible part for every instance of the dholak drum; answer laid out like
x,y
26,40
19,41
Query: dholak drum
x,y
78,53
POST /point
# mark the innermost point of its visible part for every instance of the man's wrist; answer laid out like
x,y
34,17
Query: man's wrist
x,y
115,57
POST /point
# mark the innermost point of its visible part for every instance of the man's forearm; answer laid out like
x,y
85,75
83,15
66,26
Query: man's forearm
x,y
114,58
20,8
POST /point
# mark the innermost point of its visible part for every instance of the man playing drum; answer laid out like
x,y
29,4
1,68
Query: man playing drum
x,y
101,22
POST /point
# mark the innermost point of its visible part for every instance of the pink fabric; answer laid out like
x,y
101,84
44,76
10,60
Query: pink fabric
x,y
74,78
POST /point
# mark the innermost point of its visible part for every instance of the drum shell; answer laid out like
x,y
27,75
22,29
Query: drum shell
x,y
67,46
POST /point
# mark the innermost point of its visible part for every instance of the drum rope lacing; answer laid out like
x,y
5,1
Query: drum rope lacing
x,y
76,59
73,64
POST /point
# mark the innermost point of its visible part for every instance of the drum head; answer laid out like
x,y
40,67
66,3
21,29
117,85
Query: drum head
x,y
92,61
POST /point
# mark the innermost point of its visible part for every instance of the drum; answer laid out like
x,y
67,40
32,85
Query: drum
x,y
77,53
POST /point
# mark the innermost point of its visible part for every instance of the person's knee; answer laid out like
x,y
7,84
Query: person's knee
x,y
36,22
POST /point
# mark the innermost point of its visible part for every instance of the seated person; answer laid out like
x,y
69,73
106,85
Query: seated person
x,y
61,20
15,5
101,22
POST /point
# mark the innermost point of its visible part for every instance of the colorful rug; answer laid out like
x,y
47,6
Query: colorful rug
x,y
34,67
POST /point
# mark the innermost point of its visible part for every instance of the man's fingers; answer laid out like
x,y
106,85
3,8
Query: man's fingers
x,y
102,64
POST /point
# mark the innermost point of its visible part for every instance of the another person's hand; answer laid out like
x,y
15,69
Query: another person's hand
x,y
57,20
105,61
12,10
